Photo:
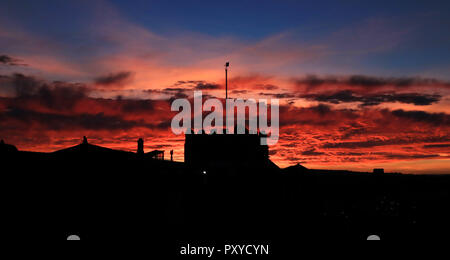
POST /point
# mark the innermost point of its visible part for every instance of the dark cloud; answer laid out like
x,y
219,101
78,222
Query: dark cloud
x,y
367,81
176,93
350,154
278,95
407,156
312,152
385,142
266,86
184,82
312,80
412,98
54,95
428,146
207,86
198,84
437,119
238,92
348,96
24,85
132,105
70,98
172,93
174,89
336,98
352,129
54,121
321,115
114,79
321,109
60,97
8,60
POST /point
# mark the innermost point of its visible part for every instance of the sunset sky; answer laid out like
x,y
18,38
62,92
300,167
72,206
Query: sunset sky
x,y
361,85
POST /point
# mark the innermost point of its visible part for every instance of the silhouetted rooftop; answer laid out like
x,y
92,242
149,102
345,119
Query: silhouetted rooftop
x,y
86,147
7,148
297,167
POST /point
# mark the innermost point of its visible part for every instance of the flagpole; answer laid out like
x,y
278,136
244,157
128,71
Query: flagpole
x,y
226,79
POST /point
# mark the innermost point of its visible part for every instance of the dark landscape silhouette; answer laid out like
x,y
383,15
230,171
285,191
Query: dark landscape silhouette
x,y
228,189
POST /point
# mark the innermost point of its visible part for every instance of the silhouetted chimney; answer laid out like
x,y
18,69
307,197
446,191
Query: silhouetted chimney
x,y
171,155
85,141
140,149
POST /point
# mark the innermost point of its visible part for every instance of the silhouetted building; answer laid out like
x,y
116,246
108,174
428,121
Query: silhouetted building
x,y
225,150
86,148
296,169
7,148
378,171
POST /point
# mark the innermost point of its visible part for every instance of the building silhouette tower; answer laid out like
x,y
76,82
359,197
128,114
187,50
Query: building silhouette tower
x,y
140,149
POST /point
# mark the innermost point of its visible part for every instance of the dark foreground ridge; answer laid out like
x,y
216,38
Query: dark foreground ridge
x,y
104,194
